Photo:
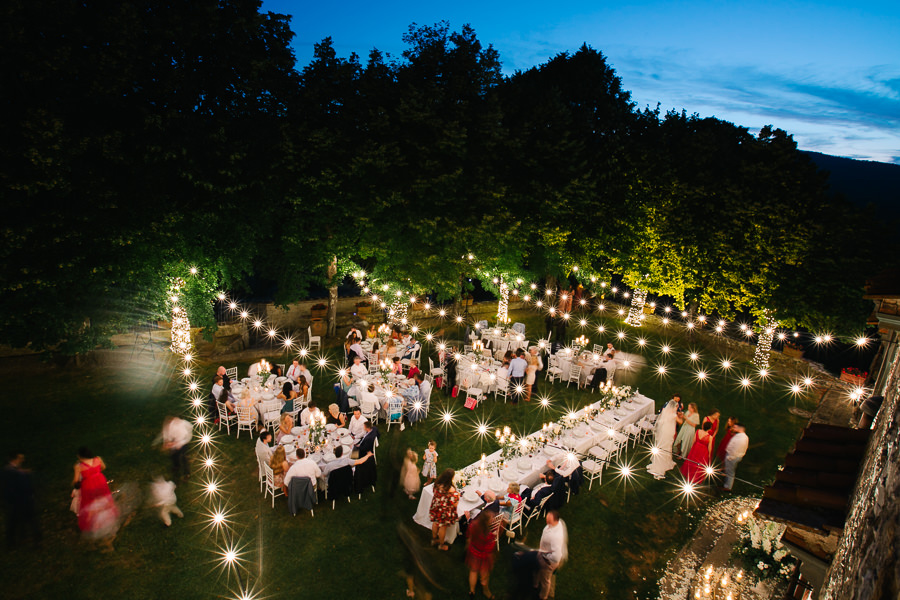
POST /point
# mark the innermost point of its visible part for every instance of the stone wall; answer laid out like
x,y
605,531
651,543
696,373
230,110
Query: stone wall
x,y
866,565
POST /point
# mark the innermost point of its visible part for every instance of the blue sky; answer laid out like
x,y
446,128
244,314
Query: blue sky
x,y
827,72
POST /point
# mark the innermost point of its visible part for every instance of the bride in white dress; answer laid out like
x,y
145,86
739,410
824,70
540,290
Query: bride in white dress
x,y
664,437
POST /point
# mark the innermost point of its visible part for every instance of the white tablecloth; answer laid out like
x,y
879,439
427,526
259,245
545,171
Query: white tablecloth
x,y
529,475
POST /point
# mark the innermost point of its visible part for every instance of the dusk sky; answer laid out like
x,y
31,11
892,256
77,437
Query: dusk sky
x,y
827,72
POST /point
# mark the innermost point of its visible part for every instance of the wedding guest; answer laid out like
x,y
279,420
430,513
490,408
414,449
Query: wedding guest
x,y
509,503
226,380
429,467
305,373
409,474
357,424
413,369
293,371
397,367
713,419
304,467
217,387
412,348
679,405
685,439
302,388
280,466
287,394
694,467
443,510
729,431
18,500
354,331
163,497
371,332
552,553
366,445
354,350
610,351
335,416
263,448
97,513
285,424
517,368
309,412
535,364
176,435
734,453
480,549
358,370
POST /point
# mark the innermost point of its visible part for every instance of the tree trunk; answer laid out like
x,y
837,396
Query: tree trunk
x,y
636,312
764,344
332,298
503,303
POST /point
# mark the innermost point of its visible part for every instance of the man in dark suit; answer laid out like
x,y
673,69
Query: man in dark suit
x,y
367,444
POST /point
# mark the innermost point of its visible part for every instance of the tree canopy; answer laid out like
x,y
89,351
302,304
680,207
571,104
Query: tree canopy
x,y
143,138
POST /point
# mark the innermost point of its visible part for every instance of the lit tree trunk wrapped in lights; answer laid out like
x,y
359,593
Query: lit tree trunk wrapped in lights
x,y
503,303
636,312
398,312
181,325
764,344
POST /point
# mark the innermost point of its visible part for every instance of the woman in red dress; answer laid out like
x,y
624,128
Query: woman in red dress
x,y
97,514
694,467
480,551
729,427
713,418
443,511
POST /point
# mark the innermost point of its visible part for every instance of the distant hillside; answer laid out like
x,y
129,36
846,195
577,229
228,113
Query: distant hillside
x,y
863,182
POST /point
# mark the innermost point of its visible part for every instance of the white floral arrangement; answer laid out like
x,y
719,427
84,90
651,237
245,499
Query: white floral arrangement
x,y
760,548
612,395
317,433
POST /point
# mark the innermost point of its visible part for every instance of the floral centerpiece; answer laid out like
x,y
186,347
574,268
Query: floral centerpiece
x,y
263,372
385,368
611,395
384,332
760,549
317,432
478,350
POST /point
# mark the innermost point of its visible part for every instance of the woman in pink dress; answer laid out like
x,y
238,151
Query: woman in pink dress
x,y
694,467
97,514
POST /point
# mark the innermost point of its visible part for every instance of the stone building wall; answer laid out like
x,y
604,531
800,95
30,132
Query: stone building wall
x,y
866,565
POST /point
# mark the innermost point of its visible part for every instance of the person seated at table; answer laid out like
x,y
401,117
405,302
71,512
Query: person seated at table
x,y
245,401
358,369
396,368
227,399
507,358
413,369
285,424
217,385
605,371
302,388
533,496
342,388
293,371
368,401
287,395
306,374
304,467
355,331
339,461
610,351
309,412
276,370
371,332
280,466
509,503
411,348
226,380
263,450
357,424
335,416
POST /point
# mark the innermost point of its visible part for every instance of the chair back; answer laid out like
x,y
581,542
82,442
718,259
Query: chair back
x,y
231,372
519,328
340,483
244,414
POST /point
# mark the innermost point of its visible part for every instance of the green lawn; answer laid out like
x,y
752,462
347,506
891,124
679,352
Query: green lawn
x,y
621,534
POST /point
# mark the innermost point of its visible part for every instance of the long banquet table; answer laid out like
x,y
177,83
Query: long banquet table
x,y
526,470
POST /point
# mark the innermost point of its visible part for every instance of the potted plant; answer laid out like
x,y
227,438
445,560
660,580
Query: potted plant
x,y
792,349
363,307
318,326
854,376
318,311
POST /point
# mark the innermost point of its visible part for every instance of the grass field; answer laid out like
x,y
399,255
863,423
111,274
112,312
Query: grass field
x,y
621,534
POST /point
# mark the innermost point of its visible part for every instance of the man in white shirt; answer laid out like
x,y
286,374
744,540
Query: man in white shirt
x,y
217,387
293,371
734,452
357,424
553,551
304,467
176,435
263,449
309,411
358,370
517,368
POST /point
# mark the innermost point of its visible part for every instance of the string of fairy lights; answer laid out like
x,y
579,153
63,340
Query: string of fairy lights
x,y
228,551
